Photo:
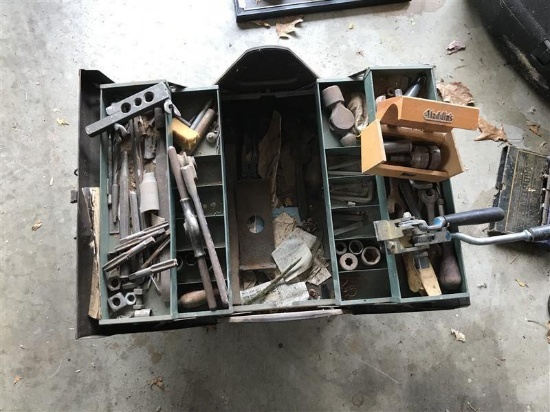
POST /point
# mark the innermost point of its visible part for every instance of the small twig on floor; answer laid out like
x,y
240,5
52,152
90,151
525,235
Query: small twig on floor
x,y
512,261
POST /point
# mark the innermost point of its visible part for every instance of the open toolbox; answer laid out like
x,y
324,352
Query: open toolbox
x,y
245,205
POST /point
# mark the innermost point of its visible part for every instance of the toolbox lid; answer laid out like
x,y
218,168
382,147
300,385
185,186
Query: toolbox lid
x,y
267,70
427,115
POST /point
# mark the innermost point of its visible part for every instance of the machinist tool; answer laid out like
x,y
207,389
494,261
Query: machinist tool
x,y
125,109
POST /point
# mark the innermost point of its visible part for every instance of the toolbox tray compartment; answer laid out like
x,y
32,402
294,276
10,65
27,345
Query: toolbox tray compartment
x,y
255,79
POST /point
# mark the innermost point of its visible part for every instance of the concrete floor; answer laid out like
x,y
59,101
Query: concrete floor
x,y
383,362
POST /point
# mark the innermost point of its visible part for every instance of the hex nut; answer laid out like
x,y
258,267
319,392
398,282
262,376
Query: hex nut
x,y
113,284
130,298
117,302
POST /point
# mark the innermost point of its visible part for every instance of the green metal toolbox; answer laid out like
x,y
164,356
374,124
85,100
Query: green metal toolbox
x,y
261,82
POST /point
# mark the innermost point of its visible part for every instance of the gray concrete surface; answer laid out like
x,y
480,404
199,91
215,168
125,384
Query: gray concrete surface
x,y
386,362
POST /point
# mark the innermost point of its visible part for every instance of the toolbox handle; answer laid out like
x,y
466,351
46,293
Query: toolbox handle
x,y
471,217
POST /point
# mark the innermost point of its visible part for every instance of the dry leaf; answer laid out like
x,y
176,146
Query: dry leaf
x,y
535,128
36,226
490,131
455,93
283,29
262,23
61,122
522,284
56,110
16,379
351,26
455,46
158,382
459,336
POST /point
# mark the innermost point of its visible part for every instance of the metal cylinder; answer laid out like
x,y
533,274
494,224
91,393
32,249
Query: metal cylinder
x,y
149,194
371,256
348,261
331,95
355,247
205,122
142,313
341,248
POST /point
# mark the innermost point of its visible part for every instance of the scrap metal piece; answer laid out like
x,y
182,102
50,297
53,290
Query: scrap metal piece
x,y
256,243
132,106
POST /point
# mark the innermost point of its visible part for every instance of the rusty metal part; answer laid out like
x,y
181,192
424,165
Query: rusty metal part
x,y
371,256
435,157
348,287
348,261
340,248
396,206
355,247
253,200
189,175
420,157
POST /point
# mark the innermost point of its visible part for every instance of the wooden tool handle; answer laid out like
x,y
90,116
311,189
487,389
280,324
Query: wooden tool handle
x,y
194,299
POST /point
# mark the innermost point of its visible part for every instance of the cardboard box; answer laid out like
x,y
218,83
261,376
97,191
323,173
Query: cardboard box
x,y
421,121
